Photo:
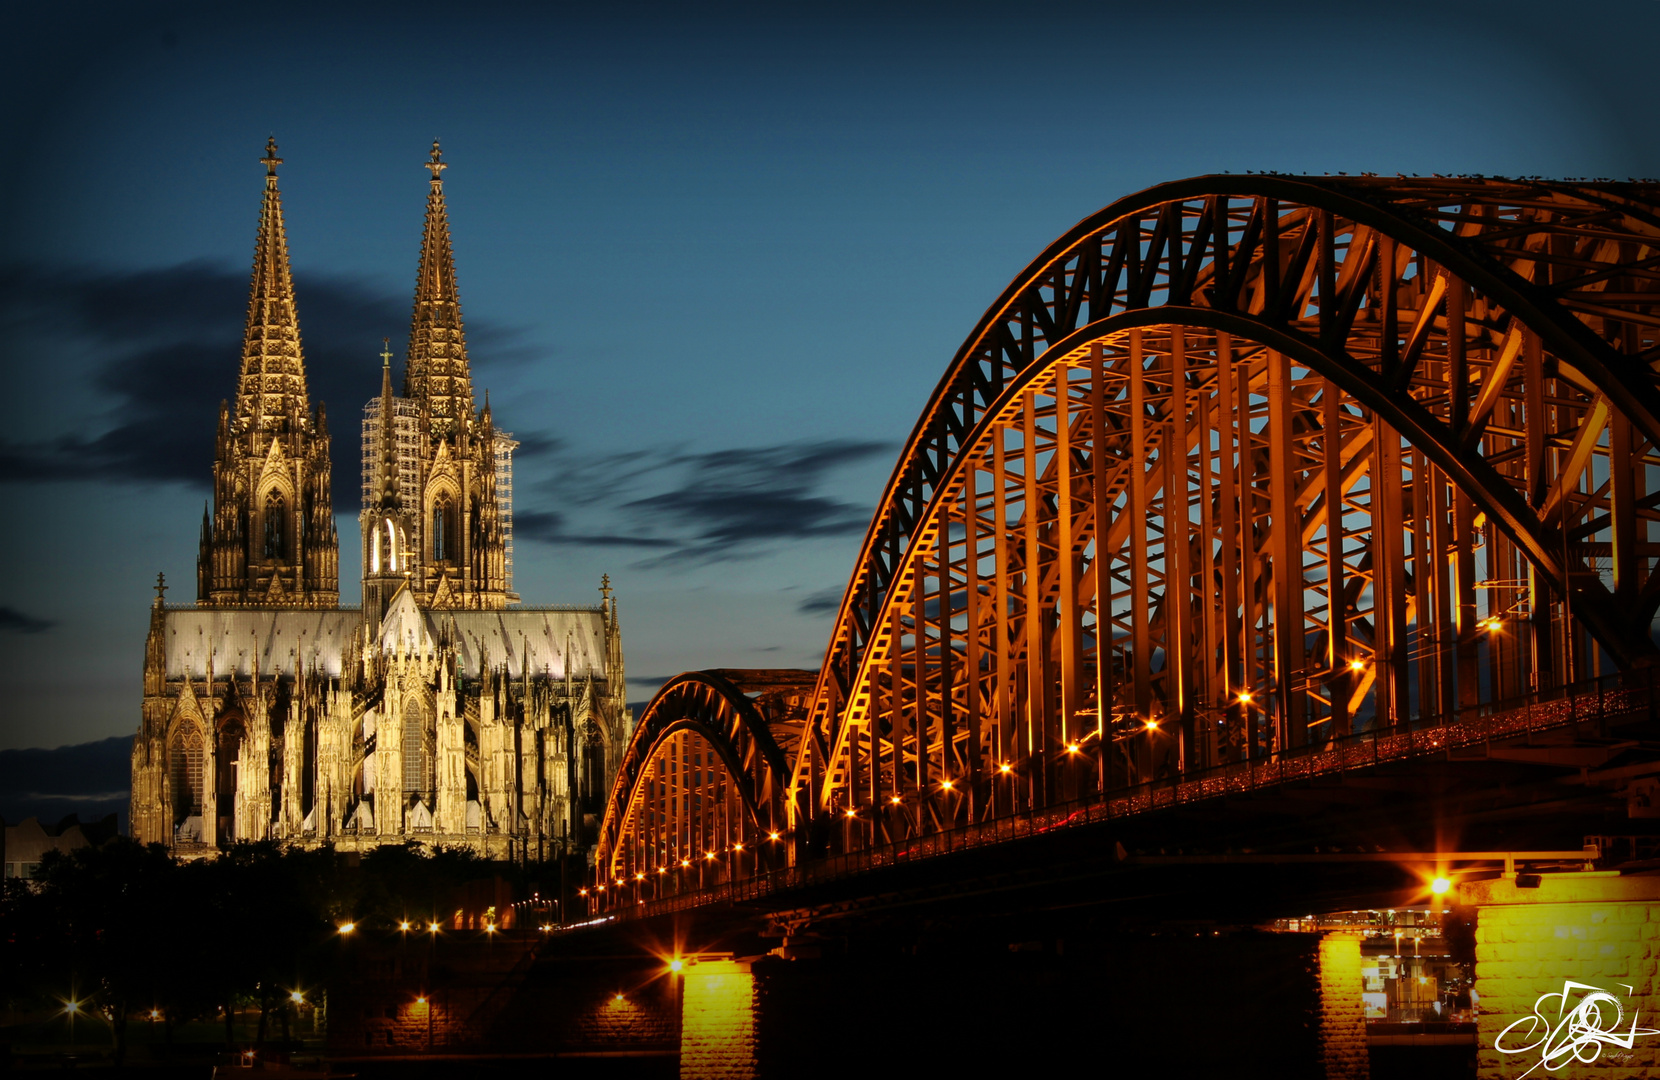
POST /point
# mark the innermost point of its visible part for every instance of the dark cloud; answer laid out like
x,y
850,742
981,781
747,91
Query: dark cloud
x,y
708,506
17,622
823,602
169,343
548,527
649,681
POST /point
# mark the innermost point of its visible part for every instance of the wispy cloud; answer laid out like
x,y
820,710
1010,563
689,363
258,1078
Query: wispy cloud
x,y
168,343
699,506
19,623
823,602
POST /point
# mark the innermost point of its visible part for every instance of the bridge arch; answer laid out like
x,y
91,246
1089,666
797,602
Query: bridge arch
x,y
1239,468
699,794
1482,349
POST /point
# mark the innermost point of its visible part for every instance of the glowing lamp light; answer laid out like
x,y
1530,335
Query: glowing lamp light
x,y
852,812
421,1000
249,1054
710,856
773,836
1244,697
296,997
1151,723
1439,886
948,784
346,928
662,869
582,892
639,876
737,847
1072,748
404,925
676,965
600,888
896,800
1491,625
618,999
71,1006
685,862
1357,665
1005,768
490,928
155,1014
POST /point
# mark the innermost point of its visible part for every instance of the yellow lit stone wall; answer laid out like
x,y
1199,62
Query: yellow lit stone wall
x,y
717,1022
1594,928
1342,1015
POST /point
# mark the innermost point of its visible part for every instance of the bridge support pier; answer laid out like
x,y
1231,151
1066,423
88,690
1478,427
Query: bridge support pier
x,y
1539,935
1343,1052
717,1022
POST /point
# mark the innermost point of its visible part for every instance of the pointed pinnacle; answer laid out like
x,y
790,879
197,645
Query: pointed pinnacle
x,y
386,353
270,160
436,164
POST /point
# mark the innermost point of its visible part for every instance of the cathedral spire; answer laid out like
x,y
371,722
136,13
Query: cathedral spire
x,y
271,394
388,432
437,375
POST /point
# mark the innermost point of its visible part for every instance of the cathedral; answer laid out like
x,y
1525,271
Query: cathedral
x,y
440,710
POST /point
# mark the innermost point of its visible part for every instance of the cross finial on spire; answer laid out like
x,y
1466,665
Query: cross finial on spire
x,y
270,160
605,586
386,352
161,587
436,164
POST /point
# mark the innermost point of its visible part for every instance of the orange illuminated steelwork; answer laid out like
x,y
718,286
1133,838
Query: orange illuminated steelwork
x,y
1226,454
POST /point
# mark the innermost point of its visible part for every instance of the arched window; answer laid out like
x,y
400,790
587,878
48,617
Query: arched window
x,y
274,508
444,546
185,765
414,747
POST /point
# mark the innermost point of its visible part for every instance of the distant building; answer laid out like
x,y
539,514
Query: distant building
x,y
439,710
28,841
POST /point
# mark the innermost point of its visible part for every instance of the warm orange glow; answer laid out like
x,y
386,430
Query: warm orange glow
x,y
421,1000
852,812
676,965
896,800
1005,768
599,888
1439,886
773,835
737,847
434,927
582,892
1151,724
346,928
155,1014
1072,748
295,996
1357,665
618,999
685,862
1244,697
947,784
662,869
710,856
640,876
1491,625
404,925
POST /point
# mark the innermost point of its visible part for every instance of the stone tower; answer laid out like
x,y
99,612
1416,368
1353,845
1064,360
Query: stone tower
x,y
434,518
269,538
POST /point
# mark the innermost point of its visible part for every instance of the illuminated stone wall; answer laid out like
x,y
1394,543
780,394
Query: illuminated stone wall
x,y
1598,929
1342,1016
717,1022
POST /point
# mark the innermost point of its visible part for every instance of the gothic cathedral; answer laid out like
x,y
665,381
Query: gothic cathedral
x,y
440,710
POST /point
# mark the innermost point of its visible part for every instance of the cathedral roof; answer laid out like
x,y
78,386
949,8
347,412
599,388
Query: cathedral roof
x,y
548,641
437,373
279,642
271,393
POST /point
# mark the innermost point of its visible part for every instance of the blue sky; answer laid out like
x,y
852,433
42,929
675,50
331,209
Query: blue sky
x,y
712,260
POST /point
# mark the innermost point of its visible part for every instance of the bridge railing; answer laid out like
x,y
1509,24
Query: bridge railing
x,y
1595,702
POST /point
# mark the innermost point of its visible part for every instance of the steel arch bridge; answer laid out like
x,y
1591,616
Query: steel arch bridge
x,y
1238,471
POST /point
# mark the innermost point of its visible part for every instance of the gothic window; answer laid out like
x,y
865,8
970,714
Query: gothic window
x,y
444,547
391,542
274,506
593,770
229,757
185,762
414,747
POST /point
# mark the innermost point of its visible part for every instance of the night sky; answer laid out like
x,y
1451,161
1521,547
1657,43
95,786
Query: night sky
x,y
711,264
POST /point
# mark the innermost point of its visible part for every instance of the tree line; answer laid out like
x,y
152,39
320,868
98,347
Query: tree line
x,y
127,930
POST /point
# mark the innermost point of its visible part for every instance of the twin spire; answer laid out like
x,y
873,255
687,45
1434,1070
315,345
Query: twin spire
x,y
437,372
271,393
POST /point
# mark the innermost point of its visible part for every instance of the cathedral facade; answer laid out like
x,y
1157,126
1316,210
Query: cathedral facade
x,y
439,710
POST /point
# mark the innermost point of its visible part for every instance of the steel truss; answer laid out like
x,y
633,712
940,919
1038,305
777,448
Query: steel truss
x,y
1240,466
